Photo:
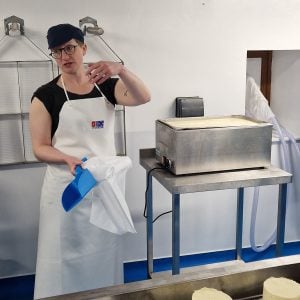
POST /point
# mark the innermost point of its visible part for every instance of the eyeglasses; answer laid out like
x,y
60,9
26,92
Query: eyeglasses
x,y
69,50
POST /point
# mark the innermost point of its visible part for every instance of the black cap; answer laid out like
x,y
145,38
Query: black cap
x,y
62,33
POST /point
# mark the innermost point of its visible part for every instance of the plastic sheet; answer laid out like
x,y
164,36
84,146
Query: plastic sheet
x,y
257,107
109,208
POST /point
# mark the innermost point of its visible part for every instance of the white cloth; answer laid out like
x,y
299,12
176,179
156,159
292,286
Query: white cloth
x,y
74,255
257,106
109,208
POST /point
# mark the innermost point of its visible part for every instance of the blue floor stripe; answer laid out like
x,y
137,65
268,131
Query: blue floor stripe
x,y
21,288
17,288
135,271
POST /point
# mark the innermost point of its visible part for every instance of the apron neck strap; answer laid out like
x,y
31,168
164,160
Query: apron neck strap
x,y
66,93
63,84
98,88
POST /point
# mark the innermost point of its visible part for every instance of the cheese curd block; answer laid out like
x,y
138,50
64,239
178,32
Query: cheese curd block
x,y
281,289
209,294
203,122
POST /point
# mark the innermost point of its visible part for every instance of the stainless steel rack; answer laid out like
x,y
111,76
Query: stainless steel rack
x,y
20,77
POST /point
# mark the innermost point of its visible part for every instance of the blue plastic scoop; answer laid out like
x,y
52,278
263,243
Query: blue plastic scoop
x,y
76,190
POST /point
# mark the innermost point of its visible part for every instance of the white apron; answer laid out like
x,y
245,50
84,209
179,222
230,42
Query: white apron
x,y
74,255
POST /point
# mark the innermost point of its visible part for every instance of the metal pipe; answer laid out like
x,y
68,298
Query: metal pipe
x,y
239,223
149,224
175,234
95,30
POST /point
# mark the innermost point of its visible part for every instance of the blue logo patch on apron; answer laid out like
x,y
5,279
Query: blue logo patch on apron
x,y
98,124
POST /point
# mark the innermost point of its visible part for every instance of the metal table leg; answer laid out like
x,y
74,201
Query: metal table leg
x,y
281,218
239,223
149,227
175,233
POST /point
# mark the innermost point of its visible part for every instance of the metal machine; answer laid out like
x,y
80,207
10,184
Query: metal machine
x,y
209,144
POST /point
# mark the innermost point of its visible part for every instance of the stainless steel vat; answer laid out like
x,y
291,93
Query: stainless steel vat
x,y
237,279
208,144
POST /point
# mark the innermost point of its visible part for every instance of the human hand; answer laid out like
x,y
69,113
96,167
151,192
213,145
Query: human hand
x,y
100,71
72,162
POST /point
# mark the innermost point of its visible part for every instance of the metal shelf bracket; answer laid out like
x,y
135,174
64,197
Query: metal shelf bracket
x,y
96,30
15,24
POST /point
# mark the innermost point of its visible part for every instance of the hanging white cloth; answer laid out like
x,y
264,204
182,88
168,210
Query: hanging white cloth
x,y
257,106
109,208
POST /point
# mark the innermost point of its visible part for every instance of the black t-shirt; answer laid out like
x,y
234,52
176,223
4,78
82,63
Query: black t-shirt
x,y
53,97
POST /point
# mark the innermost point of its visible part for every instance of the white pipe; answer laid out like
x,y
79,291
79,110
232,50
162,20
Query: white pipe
x,y
257,107
285,159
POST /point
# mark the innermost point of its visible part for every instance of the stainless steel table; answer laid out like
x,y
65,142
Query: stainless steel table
x,y
183,184
237,279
